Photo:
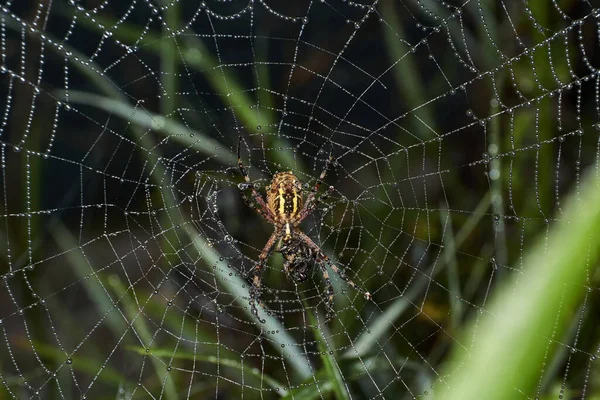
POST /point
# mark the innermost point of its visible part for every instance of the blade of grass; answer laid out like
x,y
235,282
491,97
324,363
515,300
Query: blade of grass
x,y
308,390
168,59
479,270
176,323
485,52
411,89
449,258
495,181
562,353
522,316
330,365
382,323
228,362
135,316
157,123
90,69
463,38
266,102
84,364
226,84
169,79
95,288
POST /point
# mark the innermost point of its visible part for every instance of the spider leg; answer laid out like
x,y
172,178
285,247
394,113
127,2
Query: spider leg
x,y
330,292
256,283
262,208
306,211
258,208
309,205
321,257
286,267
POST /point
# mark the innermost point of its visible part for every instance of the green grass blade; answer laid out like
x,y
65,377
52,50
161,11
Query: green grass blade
x,y
134,313
144,119
227,362
521,319
411,88
309,389
91,281
91,70
169,64
331,367
382,323
449,259
104,374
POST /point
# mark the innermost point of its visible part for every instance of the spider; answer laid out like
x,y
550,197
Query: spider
x,y
285,209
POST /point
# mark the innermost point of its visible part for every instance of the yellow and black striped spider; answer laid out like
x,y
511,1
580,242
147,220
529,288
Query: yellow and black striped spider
x,y
285,209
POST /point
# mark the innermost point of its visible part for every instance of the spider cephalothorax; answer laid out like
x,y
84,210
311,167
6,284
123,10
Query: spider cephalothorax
x,y
285,209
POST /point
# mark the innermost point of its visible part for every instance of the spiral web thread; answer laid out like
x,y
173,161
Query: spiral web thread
x,y
457,128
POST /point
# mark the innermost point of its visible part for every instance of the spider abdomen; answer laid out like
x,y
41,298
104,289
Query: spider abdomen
x,y
284,196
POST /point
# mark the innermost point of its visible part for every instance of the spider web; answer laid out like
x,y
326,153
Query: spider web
x,y
457,129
